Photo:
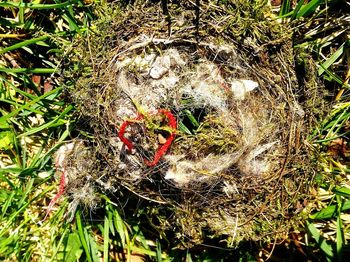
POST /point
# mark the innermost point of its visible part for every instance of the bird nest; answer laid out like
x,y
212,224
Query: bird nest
x,y
193,118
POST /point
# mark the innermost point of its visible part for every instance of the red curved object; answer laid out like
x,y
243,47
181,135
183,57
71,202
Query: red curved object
x,y
160,150
122,129
60,192
164,148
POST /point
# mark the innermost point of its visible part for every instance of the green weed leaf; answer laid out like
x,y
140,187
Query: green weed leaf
x,y
6,140
4,125
73,249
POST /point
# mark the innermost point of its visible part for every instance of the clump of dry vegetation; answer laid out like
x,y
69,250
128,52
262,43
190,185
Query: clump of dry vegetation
x,y
226,72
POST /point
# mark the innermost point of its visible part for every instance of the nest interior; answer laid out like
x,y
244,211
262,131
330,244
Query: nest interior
x,y
237,167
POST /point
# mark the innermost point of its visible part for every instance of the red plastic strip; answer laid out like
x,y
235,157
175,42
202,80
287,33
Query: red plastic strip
x,y
122,130
164,148
59,193
160,152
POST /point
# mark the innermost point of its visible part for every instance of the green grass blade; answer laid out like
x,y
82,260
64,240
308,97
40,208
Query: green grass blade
x,y
340,239
6,140
331,60
110,218
119,226
23,43
7,170
82,236
285,7
56,249
336,122
20,210
336,78
7,203
188,257
309,8
297,9
340,232
28,70
33,160
106,239
29,104
324,246
92,246
5,243
342,191
330,211
284,16
192,119
37,6
146,251
46,157
69,17
184,129
18,90
28,188
159,252
48,124
73,247
21,14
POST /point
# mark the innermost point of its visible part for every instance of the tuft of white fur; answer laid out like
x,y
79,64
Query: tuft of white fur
x,y
258,150
62,153
207,87
81,195
160,67
184,172
240,87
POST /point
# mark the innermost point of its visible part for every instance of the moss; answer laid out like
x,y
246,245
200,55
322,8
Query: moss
x,y
212,136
